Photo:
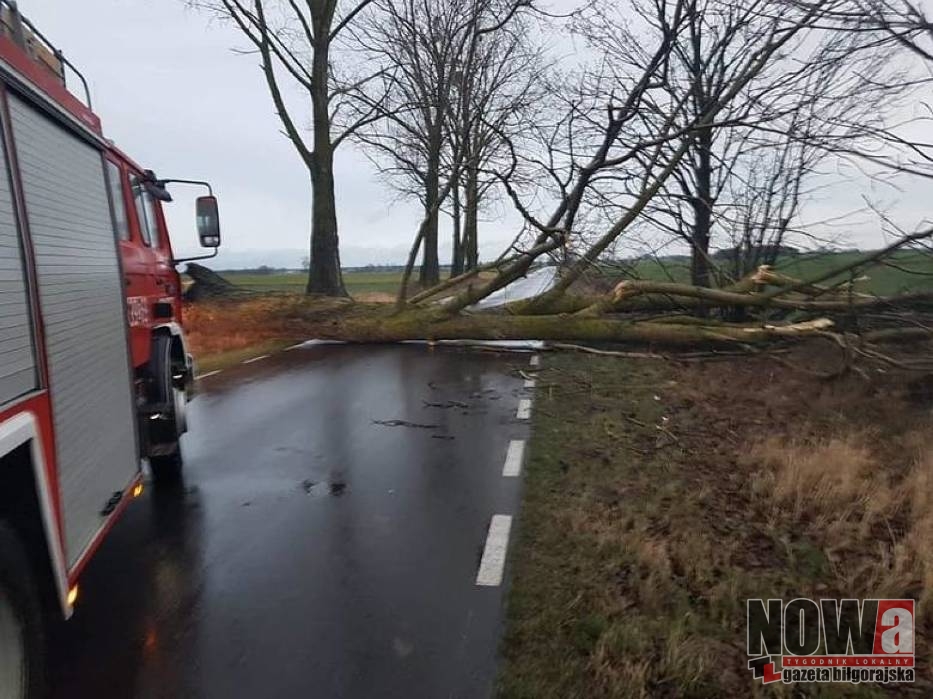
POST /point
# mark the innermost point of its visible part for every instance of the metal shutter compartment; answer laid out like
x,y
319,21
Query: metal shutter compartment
x,y
17,354
81,297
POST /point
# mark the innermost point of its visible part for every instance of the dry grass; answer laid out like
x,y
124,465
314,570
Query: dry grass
x,y
830,481
219,327
224,332
851,494
375,297
221,333
638,547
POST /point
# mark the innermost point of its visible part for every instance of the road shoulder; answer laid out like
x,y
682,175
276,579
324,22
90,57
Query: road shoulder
x,y
659,497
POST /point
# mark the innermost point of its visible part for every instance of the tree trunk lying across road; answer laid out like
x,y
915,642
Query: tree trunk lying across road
x,y
606,318
365,328
666,296
360,323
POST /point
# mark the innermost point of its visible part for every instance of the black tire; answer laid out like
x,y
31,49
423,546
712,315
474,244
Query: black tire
x,y
160,368
165,460
166,468
25,622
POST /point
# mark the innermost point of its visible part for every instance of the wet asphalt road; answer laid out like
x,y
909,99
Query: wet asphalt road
x,y
312,551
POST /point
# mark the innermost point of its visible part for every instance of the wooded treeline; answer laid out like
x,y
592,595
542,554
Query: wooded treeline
x,y
674,125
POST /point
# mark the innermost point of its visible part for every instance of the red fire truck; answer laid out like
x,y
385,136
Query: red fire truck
x,y
94,370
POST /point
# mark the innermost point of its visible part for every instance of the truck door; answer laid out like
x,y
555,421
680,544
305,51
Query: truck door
x,y
137,261
164,277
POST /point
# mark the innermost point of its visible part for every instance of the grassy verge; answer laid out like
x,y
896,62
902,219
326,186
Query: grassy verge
x,y
357,283
221,334
660,497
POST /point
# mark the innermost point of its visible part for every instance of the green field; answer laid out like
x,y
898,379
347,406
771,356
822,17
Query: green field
x,y
912,271
357,282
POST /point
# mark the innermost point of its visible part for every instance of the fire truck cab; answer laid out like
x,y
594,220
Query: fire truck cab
x,y
94,368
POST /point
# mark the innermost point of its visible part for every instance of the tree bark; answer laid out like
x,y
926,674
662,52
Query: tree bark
x,y
471,219
702,210
324,274
402,297
456,258
430,269
428,325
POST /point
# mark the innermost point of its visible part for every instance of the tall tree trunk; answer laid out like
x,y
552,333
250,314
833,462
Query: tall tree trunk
x,y
471,219
324,275
702,210
456,260
430,269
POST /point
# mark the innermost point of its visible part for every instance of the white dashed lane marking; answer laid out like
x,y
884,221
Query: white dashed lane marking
x,y
204,376
256,359
535,360
524,409
513,459
529,383
492,565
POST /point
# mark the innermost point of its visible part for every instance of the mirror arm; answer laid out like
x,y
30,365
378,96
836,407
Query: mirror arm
x,y
179,260
201,183
210,191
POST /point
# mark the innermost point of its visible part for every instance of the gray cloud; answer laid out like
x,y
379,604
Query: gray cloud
x,y
172,94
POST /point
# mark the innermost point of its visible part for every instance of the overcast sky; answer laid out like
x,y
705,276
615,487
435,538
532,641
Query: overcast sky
x,y
171,92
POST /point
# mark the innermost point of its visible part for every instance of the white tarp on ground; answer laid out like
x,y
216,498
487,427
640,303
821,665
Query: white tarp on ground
x,y
536,282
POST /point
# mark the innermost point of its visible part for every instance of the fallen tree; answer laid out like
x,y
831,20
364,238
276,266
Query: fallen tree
x,y
207,284
373,328
646,161
646,158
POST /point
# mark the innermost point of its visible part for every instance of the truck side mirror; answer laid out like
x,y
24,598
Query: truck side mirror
x,y
208,221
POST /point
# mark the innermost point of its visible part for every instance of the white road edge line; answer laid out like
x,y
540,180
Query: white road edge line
x,y
492,565
524,409
256,359
535,360
204,376
529,383
513,459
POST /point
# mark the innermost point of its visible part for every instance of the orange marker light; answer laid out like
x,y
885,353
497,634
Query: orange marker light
x,y
138,490
72,596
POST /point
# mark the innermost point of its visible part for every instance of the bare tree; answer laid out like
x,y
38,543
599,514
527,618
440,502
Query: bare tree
x,y
435,54
642,153
295,42
820,88
711,106
904,22
421,44
495,93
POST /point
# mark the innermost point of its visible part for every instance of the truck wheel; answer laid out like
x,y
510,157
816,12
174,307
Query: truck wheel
x,y
22,652
167,391
165,459
166,468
